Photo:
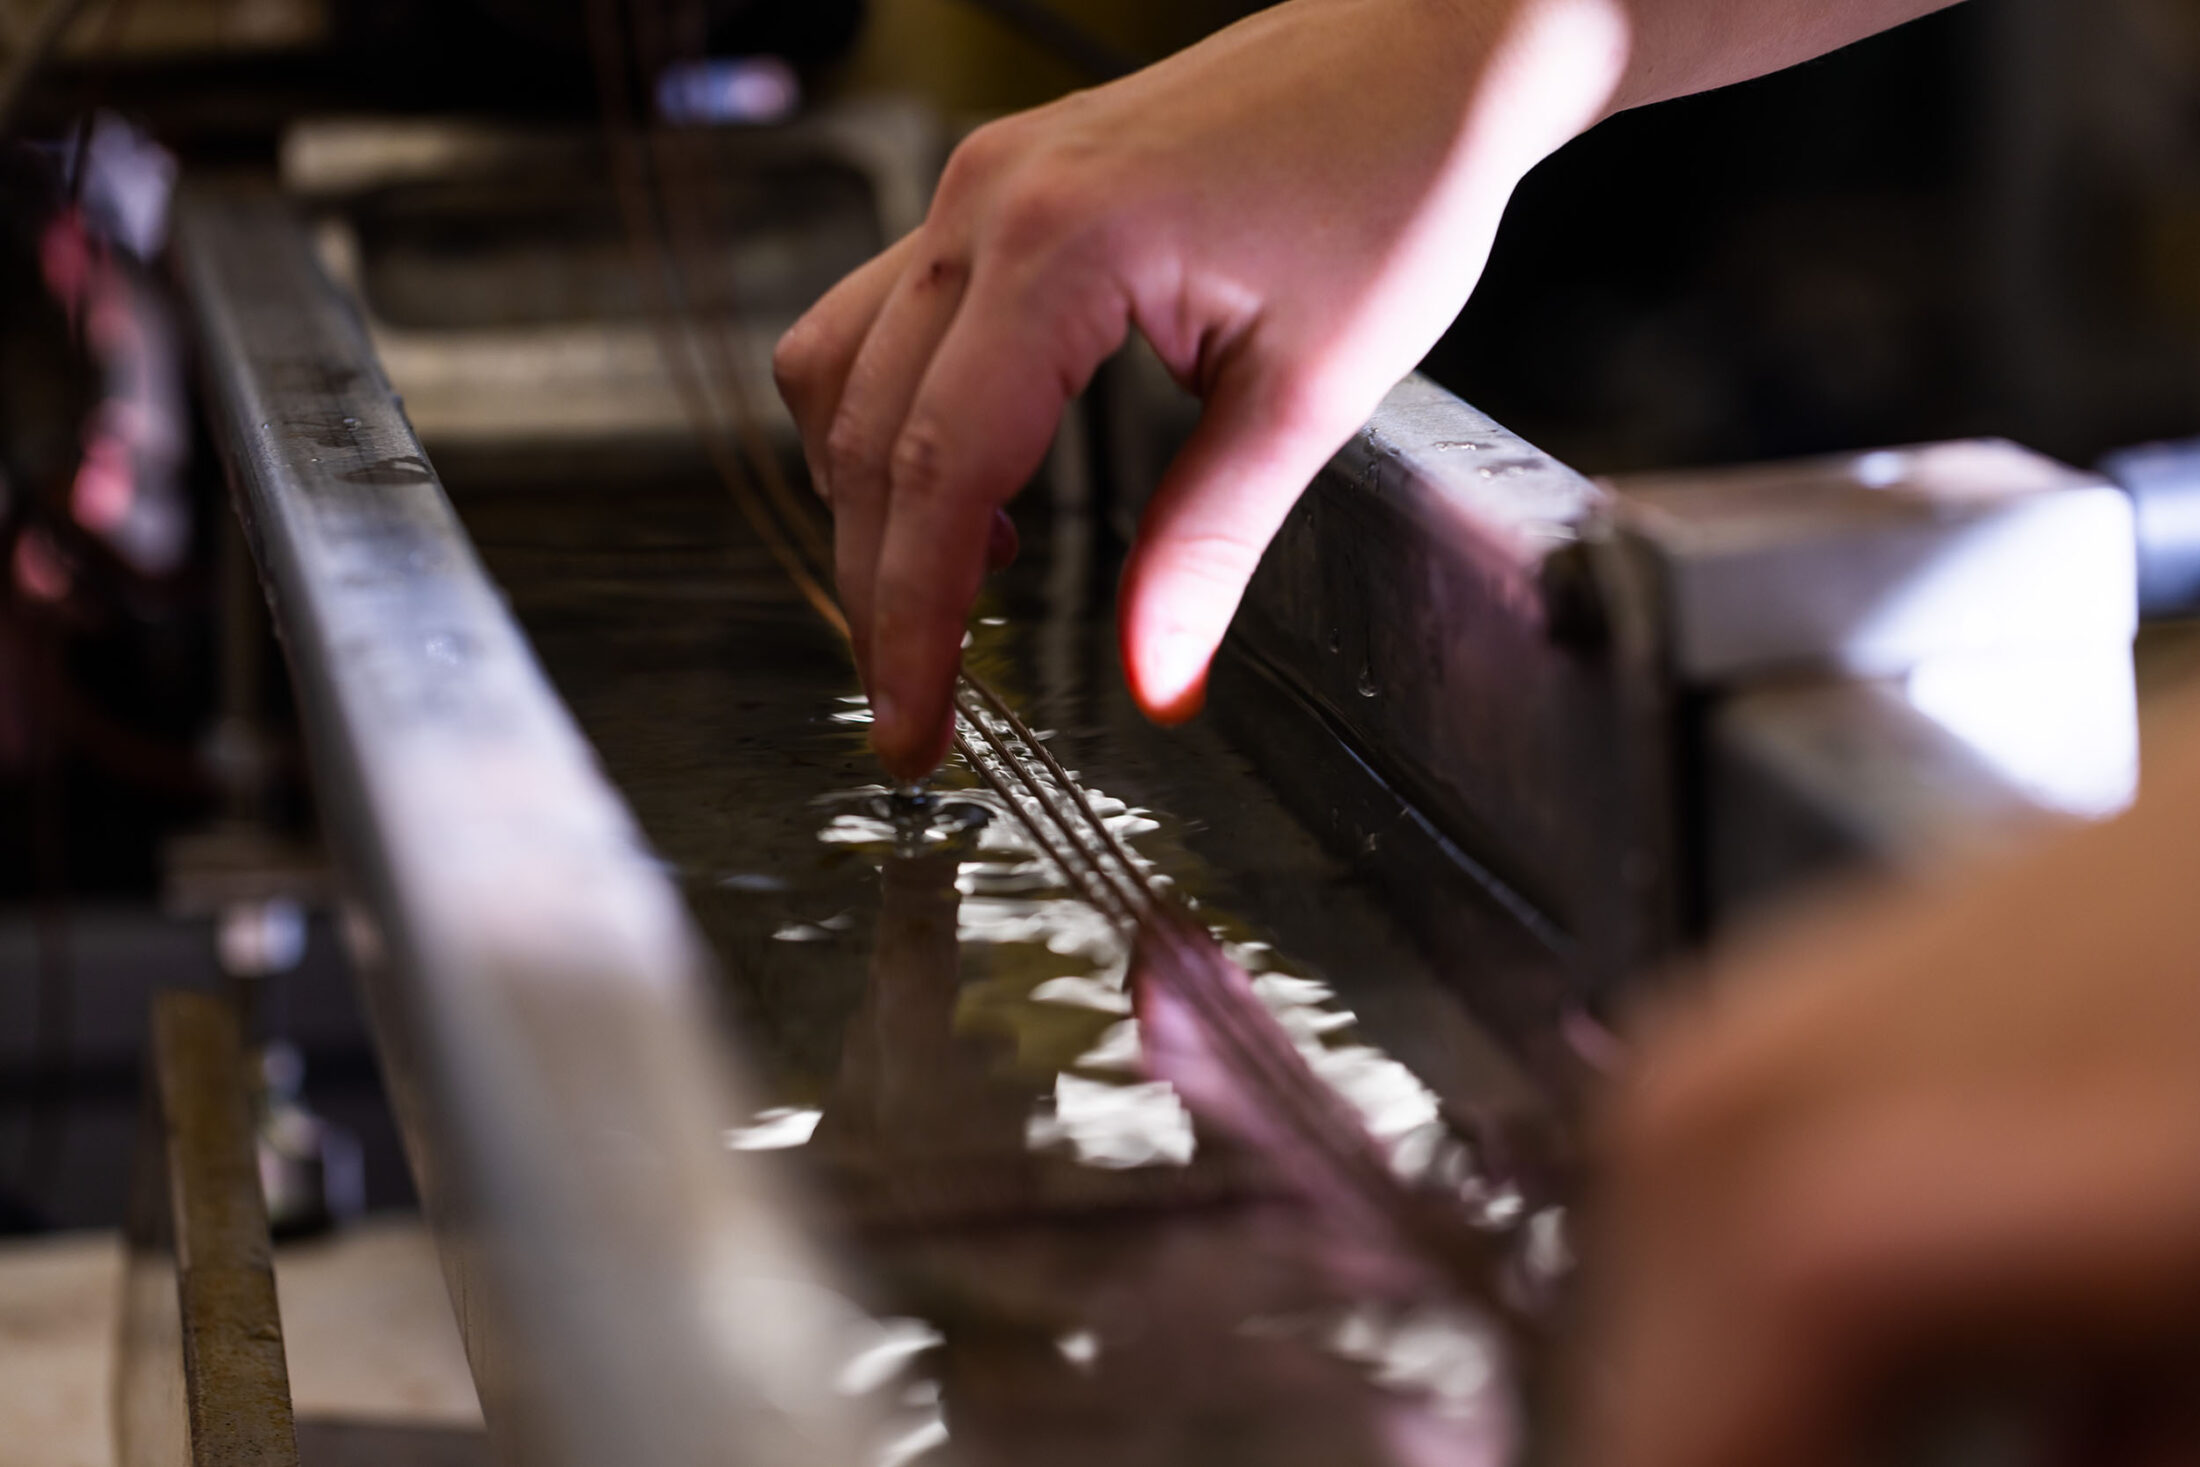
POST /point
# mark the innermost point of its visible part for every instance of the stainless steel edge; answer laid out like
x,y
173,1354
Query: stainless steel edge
x,y
629,1291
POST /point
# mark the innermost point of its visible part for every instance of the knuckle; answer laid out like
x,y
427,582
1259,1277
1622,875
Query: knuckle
x,y
795,361
848,453
919,464
1045,212
976,161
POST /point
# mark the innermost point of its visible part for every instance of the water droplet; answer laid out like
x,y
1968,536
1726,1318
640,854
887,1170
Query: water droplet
x,y
1367,682
752,881
774,1130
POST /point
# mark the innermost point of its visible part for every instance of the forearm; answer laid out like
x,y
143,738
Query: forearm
x,y
1682,46
1537,73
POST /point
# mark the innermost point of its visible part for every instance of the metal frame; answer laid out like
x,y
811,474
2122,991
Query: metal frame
x,y
1617,715
200,1376
628,1291
1450,600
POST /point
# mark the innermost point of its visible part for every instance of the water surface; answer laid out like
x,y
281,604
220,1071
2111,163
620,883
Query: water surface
x,y
945,1054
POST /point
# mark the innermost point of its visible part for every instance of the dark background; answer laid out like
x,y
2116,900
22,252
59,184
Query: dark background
x,y
1979,223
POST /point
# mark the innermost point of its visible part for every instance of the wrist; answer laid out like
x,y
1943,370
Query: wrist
x,y
1525,77
1555,69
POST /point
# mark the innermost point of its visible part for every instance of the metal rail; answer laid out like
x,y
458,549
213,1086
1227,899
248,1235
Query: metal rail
x,y
628,1290
200,1376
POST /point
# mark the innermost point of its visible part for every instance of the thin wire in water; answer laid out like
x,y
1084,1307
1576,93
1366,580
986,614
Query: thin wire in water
x,y
660,186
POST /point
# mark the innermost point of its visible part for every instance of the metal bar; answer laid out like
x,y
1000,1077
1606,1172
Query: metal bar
x,y
1899,657
1590,692
201,1378
628,1290
1804,779
1437,597
1870,564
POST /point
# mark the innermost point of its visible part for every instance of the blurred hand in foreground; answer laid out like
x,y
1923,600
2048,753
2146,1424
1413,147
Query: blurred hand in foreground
x,y
1950,1142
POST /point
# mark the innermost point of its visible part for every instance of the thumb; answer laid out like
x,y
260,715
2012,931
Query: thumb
x,y
1262,439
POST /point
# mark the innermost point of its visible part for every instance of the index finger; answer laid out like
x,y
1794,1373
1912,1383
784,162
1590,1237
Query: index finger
x,y
978,429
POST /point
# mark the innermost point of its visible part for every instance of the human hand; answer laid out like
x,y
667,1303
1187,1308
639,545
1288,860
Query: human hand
x,y
1951,1141
1291,212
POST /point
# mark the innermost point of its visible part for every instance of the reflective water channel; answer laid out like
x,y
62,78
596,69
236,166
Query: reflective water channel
x,y
1084,1269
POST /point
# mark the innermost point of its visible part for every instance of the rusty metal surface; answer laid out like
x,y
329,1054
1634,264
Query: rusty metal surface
x,y
201,1377
628,1290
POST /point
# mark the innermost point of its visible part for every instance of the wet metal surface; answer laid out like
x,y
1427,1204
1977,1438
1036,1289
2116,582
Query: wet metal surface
x,y
944,1035
1445,595
626,1288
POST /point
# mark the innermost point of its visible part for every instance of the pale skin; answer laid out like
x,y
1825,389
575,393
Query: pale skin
x,y
1864,1153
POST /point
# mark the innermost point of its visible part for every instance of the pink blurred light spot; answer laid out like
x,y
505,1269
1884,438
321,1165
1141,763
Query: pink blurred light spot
x,y
106,485
40,572
65,258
